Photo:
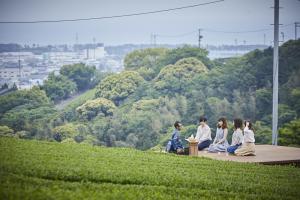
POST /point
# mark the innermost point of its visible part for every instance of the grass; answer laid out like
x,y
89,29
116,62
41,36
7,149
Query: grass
x,y
48,170
81,99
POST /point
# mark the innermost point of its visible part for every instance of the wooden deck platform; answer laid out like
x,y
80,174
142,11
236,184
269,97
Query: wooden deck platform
x,y
265,154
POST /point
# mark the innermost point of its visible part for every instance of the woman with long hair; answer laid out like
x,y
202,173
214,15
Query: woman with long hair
x,y
237,136
248,146
220,143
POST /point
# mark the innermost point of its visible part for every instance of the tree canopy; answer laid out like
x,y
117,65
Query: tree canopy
x,y
118,87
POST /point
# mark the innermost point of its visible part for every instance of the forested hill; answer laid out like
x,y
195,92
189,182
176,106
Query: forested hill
x,y
136,108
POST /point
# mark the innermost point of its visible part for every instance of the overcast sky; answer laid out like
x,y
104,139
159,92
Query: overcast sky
x,y
229,15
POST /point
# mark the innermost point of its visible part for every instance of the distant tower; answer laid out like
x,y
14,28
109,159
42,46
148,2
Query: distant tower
x,y
199,38
94,46
20,67
282,36
235,42
76,42
297,25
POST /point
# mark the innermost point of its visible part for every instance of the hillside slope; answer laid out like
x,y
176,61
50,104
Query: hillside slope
x,y
45,170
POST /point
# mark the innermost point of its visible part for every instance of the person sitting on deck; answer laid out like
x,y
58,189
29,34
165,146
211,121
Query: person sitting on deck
x,y
203,135
237,136
248,146
175,144
220,143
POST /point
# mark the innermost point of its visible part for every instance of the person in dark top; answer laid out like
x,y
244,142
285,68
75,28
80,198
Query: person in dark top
x,y
175,144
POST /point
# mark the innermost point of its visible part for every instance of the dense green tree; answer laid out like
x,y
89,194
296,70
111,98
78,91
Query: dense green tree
x,y
263,102
27,118
262,133
176,78
82,75
289,134
186,51
145,61
33,98
118,87
65,131
92,108
285,114
58,87
27,110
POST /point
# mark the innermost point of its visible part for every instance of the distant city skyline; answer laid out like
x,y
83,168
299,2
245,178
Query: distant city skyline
x,y
217,22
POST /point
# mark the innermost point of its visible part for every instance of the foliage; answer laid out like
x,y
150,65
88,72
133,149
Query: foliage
x,y
34,97
262,133
145,61
94,107
27,110
58,87
158,87
82,75
6,131
118,87
175,78
69,112
77,132
289,134
187,51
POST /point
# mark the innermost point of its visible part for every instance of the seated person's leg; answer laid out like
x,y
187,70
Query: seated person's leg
x,y
231,149
203,145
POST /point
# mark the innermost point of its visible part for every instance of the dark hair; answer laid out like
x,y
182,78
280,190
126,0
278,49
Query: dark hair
x,y
176,124
238,123
202,119
250,124
224,125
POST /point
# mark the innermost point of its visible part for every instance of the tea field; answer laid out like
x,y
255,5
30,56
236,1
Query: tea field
x,y
48,170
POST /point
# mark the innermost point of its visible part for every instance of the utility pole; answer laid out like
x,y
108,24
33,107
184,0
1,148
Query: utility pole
x,y
199,38
19,63
282,36
76,43
264,39
94,47
153,40
297,25
275,74
236,48
76,38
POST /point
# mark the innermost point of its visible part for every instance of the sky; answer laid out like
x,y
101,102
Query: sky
x,y
226,16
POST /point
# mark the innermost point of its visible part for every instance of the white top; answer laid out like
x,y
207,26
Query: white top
x,y
248,135
237,137
203,133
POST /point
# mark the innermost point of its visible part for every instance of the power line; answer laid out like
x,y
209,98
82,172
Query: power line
x,y
179,35
110,17
221,31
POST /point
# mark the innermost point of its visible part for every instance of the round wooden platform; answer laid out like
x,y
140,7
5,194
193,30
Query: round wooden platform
x,y
265,154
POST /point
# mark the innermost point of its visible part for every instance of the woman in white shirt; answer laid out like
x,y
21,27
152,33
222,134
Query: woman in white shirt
x,y
237,136
203,135
248,146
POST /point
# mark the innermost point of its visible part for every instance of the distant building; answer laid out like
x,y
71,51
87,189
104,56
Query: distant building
x,y
10,72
